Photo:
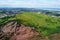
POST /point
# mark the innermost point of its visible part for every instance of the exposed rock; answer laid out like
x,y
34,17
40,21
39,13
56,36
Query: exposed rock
x,y
12,31
10,27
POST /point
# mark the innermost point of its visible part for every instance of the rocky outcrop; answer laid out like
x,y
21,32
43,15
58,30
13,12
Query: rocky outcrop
x,y
10,27
13,31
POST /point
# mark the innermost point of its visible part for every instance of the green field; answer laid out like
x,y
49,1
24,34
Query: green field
x,y
41,22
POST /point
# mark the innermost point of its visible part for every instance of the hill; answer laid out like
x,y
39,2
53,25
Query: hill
x,y
30,25
5,20
41,22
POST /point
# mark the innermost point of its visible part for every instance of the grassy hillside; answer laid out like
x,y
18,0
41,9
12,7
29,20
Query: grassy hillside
x,y
5,20
41,22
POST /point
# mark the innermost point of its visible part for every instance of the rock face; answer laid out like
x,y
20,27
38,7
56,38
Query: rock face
x,y
13,31
10,27
25,33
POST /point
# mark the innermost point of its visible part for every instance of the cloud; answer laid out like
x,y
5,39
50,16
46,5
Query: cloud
x,y
30,3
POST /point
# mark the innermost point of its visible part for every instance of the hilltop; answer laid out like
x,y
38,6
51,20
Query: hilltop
x,y
45,26
41,22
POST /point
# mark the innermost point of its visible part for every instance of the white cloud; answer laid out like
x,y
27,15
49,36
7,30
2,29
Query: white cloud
x,y
30,3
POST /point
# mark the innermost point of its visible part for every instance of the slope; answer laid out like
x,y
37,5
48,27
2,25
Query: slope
x,y
41,22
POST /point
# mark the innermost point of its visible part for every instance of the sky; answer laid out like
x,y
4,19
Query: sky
x,y
30,3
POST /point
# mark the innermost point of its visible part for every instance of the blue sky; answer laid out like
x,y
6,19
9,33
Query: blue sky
x,y
30,3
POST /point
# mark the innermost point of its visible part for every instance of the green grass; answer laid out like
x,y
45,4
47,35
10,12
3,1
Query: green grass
x,y
41,22
5,20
